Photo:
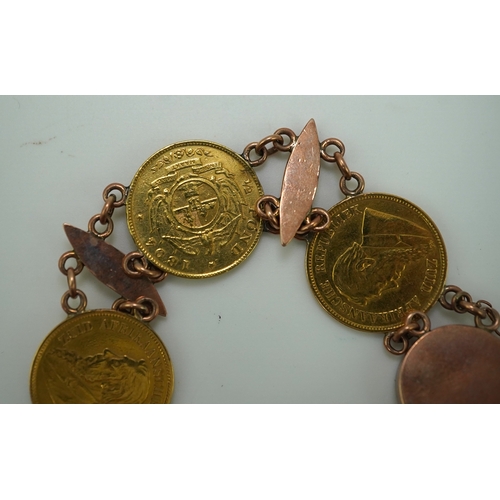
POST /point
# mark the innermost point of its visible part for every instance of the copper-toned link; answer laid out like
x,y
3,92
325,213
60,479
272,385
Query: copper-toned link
x,y
117,304
320,215
144,308
270,211
129,264
136,265
74,310
152,306
281,146
473,308
480,303
278,144
388,338
331,142
71,282
459,302
273,223
422,322
307,226
261,207
257,161
352,192
107,209
267,208
64,258
448,289
269,228
116,187
404,332
344,169
313,222
493,316
416,324
92,222
125,305
153,274
270,139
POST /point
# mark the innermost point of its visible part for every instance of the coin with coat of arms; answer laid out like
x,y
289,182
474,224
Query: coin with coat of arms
x,y
381,257
102,356
190,209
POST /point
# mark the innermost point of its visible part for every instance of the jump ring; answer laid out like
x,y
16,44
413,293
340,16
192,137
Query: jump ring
x,y
331,142
457,299
154,275
72,283
133,257
344,169
322,214
352,192
70,255
73,310
258,161
93,230
494,317
107,209
286,148
414,318
270,139
448,289
387,343
116,187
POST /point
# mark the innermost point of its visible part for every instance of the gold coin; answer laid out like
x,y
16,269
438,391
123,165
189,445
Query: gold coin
x,y
381,257
190,209
102,356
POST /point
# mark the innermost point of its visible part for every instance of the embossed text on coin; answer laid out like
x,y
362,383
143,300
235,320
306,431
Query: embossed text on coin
x,y
191,209
102,356
381,257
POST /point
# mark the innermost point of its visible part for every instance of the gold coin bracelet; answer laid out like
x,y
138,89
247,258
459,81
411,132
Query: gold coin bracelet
x,y
376,263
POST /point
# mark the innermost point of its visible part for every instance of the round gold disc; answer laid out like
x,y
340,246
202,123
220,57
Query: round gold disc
x,y
381,257
190,209
102,356
452,364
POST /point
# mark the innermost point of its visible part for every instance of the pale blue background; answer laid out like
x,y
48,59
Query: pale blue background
x,y
273,341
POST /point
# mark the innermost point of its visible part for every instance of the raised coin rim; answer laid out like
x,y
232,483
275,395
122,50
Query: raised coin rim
x,y
142,247
98,312
430,337
338,208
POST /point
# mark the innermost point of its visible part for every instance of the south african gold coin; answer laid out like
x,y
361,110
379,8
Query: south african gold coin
x,y
381,257
102,356
190,209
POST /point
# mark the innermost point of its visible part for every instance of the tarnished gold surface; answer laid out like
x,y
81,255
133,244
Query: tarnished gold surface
x,y
190,209
381,257
452,364
102,356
